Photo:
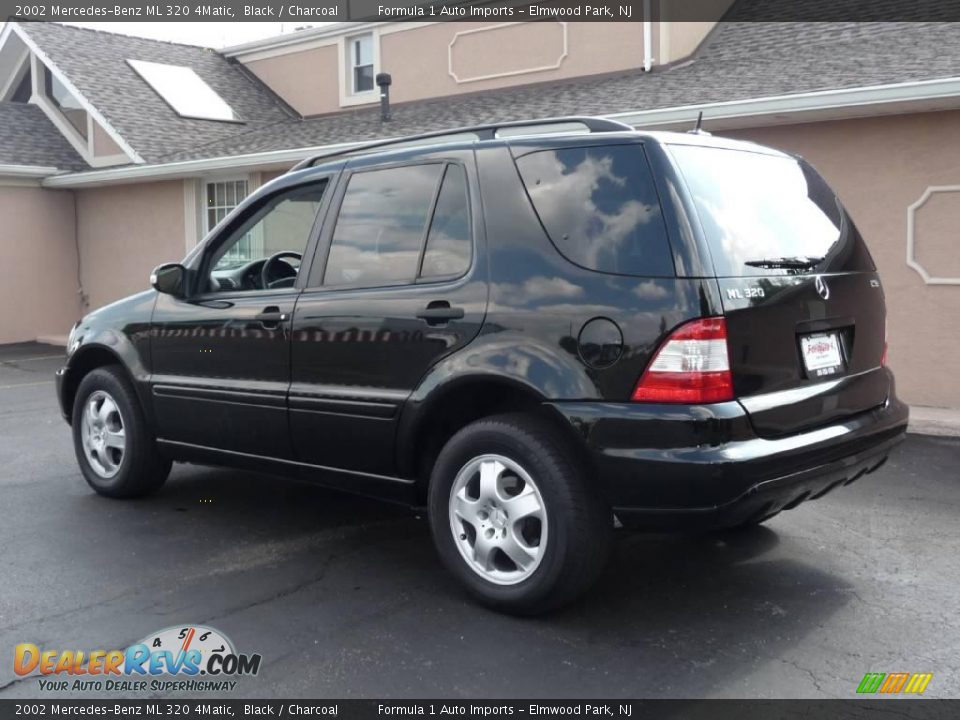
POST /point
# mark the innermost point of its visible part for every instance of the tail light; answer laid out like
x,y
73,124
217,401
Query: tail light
x,y
692,366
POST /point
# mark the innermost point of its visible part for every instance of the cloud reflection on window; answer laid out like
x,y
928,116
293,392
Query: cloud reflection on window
x,y
600,208
755,206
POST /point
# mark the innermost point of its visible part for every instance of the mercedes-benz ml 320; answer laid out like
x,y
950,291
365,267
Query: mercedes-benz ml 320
x,y
533,331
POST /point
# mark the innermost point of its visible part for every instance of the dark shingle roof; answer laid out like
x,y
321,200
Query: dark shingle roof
x,y
740,60
96,63
29,138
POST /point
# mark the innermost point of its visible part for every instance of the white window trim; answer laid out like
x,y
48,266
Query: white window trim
x,y
210,180
353,51
251,180
20,70
83,145
344,47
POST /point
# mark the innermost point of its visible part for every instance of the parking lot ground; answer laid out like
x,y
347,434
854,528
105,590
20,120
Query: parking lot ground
x,y
344,597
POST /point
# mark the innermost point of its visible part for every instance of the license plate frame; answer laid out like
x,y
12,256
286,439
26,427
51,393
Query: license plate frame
x,y
822,354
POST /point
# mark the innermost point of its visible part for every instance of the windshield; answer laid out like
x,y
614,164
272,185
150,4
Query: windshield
x,y
768,214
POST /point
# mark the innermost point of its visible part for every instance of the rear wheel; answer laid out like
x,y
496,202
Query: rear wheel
x,y
512,518
116,453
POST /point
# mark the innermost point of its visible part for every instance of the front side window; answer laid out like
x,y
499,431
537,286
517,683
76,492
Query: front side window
x,y
600,208
68,105
222,197
361,63
265,251
398,225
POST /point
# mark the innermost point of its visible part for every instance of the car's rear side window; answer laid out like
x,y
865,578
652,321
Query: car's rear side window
x,y
764,214
448,248
600,208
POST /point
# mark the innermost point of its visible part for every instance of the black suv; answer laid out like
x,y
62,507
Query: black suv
x,y
536,330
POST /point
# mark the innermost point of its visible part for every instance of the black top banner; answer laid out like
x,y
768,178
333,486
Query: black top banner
x,y
512,10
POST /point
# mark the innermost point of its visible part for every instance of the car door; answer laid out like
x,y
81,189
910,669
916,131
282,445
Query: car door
x,y
221,355
401,286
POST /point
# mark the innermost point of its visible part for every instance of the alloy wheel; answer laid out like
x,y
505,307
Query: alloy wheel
x,y
498,519
103,434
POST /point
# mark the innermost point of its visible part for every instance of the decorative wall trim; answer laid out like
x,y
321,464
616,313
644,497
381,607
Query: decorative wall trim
x,y
911,240
492,76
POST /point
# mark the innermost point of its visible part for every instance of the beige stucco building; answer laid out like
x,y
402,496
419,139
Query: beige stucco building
x,y
102,179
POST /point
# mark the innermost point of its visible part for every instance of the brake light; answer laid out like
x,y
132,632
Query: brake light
x,y
692,366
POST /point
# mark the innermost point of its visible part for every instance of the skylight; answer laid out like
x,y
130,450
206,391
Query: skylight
x,y
184,91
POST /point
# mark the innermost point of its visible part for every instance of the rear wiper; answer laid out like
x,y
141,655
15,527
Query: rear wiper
x,y
789,263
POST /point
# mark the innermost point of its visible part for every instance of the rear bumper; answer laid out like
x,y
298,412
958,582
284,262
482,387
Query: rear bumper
x,y
670,467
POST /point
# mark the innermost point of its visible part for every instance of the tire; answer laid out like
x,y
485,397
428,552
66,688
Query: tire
x,y
116,452
562,547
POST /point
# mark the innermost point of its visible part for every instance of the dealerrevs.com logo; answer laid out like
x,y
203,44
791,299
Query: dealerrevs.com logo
x,y
182,658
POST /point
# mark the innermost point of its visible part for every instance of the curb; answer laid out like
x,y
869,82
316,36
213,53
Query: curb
x,y
943,422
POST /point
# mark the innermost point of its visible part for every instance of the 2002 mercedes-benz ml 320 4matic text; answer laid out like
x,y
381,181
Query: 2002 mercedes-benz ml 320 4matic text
x,y
534,330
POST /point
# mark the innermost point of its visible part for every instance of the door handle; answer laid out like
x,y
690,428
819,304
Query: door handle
x,y
439,312
271,317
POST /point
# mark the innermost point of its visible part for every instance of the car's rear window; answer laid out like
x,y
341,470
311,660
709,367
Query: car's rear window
x,y
768,214
600,208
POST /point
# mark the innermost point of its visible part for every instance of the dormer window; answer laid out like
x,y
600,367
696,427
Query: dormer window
x,y
361,63
65,101
24,88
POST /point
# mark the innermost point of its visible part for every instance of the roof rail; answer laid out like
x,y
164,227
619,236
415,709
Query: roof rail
x,y
483,132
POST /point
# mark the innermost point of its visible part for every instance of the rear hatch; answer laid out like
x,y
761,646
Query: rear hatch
x,y
804,307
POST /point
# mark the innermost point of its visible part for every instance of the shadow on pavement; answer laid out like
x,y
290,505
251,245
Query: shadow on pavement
x,y
670,611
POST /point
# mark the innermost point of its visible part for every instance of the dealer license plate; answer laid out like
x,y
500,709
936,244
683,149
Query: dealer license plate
x,y
821,354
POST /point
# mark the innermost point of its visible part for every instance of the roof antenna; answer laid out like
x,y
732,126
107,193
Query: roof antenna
x,y
698,128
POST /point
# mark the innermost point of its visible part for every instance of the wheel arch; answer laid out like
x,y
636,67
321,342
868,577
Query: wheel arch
x,y
428,423
86,359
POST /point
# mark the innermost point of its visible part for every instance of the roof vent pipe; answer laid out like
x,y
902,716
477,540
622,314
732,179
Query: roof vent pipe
x,y
647,38
383,82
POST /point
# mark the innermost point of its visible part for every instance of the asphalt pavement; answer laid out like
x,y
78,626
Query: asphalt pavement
x,y
343,597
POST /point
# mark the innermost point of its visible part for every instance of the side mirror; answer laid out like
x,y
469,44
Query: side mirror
x,y
168,279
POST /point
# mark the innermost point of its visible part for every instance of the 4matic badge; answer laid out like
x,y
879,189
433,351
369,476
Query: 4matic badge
x,y
181,651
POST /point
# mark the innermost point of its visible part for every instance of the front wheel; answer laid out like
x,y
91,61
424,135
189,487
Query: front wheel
x,y
114,448
512,518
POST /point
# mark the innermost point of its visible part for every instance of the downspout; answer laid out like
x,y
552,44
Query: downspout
x,y
647,37
81,293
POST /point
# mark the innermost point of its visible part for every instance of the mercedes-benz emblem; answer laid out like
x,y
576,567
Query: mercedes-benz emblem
x,y
821,285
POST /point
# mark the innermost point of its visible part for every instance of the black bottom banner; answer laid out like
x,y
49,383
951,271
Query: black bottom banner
x,y
442,709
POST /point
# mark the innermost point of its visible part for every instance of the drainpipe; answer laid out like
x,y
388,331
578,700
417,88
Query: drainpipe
x,y
647,37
